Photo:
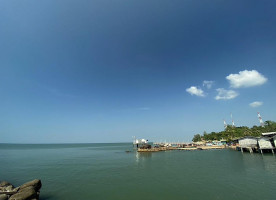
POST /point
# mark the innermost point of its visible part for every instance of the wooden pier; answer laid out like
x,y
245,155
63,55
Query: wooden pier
x,y
156,149
148,150
249,149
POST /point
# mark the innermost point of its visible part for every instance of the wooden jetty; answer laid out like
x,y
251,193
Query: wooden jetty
x,y
156,149
188,148
148,150
213,147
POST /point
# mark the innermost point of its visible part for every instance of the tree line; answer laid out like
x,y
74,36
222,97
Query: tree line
x,y
231,133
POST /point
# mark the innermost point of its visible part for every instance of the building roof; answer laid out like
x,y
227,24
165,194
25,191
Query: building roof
x,y
248,137
264,138
269,134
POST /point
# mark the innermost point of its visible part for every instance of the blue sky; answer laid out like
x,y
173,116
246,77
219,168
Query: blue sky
x,y
104,71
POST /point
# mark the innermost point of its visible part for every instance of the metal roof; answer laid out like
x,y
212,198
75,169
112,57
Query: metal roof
x,y
248,137
269,133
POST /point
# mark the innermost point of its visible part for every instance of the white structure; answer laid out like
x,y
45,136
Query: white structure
x,y
260,119
248,142
137,143
269,134
274,140
265,143
233,123
225,125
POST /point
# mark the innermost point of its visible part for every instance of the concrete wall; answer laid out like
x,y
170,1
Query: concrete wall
x,y
265,143
248,142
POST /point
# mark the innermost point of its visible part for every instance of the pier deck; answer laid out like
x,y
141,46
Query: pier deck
x,y
178,148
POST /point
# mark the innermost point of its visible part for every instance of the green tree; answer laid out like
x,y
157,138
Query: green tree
x,y
197,138
231,133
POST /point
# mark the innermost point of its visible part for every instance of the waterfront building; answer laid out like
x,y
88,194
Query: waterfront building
x,y
269,134
138,143
199,143
217,143
265,143
223,142
209,144
249,143
274,140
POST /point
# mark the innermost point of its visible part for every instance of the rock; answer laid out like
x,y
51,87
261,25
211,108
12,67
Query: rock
x,y
4,184
35,183
9,188
16,189
4,197
26,193
6,187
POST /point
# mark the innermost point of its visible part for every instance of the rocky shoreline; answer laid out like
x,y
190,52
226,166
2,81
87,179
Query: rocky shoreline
x,y
27,191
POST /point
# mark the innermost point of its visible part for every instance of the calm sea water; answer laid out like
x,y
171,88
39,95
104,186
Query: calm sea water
x,y
106,171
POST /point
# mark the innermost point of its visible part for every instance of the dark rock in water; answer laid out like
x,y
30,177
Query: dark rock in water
x,y
4,197
28,193
35,183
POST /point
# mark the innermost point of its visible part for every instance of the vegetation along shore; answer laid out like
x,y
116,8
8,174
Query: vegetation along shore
x,y
231,133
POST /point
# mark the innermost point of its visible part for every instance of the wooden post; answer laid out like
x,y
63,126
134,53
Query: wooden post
x,y
241,150
272,151
250,150
261,151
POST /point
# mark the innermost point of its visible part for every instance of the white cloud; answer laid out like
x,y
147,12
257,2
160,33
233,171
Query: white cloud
x,y
208,84
256,104
226,94
246,79
195,91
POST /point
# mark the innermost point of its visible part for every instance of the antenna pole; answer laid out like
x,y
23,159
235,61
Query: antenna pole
x,y
224,122
233,123
260,119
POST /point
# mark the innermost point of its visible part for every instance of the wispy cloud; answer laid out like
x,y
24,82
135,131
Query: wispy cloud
x,y
256,104
226,94
193,90
208,84
246,79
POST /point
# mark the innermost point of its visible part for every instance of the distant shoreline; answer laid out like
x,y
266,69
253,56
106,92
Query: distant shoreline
x,y
67,143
